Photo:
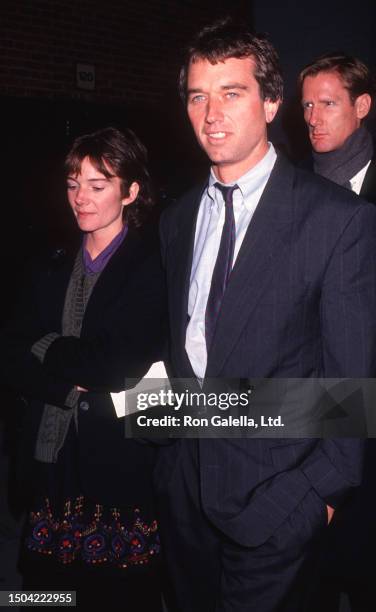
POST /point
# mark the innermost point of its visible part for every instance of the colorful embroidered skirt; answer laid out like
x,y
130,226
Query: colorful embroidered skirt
x,y
67,526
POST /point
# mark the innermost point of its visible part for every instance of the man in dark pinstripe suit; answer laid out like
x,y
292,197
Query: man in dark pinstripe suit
x,y
241,518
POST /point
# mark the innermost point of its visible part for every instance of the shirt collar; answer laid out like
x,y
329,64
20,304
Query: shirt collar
x,y
357,181
248,183
94,266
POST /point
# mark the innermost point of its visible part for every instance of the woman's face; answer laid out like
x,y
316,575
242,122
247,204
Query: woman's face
x,y
97,201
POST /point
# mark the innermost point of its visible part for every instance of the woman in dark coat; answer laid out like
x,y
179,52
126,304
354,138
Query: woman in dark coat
x,y
87,323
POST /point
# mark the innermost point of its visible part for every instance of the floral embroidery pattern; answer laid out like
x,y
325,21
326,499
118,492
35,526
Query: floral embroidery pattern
x,y
95,541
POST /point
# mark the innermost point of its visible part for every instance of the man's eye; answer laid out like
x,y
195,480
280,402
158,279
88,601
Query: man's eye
x,y
71,186
232,94
307,105
329,103
196,99
97,188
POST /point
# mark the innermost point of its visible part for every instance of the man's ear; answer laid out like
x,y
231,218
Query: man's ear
x,y
133,193
362,105
271,109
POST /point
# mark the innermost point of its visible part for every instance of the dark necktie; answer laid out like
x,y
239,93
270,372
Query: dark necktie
x,y
223,265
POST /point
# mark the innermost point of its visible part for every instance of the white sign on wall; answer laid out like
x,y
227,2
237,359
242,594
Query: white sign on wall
x,y
85,76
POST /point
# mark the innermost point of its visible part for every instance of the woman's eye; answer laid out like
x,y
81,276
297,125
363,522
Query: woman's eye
x,y
97,188
70,186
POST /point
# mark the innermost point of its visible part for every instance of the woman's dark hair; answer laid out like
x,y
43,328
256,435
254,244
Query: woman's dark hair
x,y
116,153
226,38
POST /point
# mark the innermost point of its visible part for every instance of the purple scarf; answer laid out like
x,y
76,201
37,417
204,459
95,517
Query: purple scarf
x,y
94,266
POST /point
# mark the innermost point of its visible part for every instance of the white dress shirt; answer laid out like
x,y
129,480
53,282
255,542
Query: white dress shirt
x,y
357,181
210,220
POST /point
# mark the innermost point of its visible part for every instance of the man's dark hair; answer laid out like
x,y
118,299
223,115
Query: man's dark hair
x,y
224,39
116,153
355,75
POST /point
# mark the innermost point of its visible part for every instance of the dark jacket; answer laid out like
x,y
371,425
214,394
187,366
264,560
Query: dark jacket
x,y
300,303
349,554
123,333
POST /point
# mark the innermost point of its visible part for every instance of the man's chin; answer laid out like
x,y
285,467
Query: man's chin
x,y
321,147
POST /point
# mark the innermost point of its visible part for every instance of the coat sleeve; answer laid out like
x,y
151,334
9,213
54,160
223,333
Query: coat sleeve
x,y
348,311
348,301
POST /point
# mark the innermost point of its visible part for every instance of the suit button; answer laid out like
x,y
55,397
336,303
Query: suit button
x,y
84,406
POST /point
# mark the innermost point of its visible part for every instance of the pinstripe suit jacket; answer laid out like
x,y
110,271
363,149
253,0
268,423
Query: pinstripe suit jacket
x,y
301,302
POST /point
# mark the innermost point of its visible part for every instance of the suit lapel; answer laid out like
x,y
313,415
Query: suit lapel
x,y
266,237
123,263
179,276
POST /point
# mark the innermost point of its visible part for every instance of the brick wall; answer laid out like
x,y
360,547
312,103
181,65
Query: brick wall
x,y
134,45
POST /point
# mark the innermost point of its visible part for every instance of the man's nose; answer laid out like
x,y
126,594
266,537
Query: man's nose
x,y
214,110
314,116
